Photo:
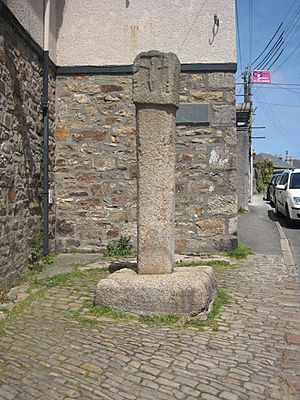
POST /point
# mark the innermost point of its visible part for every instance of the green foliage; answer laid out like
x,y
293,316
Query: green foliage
x,y
217,265
119,248
83,321
260,187
19,309
242,210
36,259
100,311
61,279
160,320
36,248
222,298
242,251
264,171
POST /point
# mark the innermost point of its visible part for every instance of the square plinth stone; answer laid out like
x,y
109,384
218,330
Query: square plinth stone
x,y
185,292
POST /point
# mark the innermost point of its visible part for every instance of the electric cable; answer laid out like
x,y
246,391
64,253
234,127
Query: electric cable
x,y
270,66
291,25
250,29
270,41
192,25
278,104
238,35
285,60
279,42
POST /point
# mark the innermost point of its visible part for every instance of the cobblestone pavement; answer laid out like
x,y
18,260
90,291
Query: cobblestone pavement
x,y
46,353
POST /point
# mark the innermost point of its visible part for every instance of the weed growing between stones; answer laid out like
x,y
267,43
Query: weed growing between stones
x,y
90,316
36,259
83,321
217,265
242,251
242,210
60,280
38,289
176,321
119,248
20,308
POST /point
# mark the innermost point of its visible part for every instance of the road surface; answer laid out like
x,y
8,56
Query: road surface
x,y
257,228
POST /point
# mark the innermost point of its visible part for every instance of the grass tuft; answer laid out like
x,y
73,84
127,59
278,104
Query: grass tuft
x,y
119,248
217,265
20,308
176,321
105,311
61,279
242,251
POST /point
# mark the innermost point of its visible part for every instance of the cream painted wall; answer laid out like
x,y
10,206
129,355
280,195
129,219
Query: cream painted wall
x,y
113,32
30,13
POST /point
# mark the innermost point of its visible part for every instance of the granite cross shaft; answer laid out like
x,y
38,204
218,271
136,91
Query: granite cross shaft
x,y
156,97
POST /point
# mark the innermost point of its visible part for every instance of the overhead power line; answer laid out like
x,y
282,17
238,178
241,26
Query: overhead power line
x,y
238,35
250,29
278,104
277,46
287,14
290,28
285,60
274,83
270,66
267,46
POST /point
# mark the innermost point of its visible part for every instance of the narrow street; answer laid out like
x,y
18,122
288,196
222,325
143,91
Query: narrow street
x,y
257,228
293,236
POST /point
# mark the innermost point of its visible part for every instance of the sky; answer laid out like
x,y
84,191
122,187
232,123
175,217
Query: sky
x,y
277,106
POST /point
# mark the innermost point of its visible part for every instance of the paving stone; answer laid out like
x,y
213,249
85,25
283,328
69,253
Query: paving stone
x,y
45,354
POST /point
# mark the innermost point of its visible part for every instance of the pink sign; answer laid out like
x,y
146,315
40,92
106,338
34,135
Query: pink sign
x,y
262,76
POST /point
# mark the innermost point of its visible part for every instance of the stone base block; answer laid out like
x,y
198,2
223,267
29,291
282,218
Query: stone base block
x,y
185,292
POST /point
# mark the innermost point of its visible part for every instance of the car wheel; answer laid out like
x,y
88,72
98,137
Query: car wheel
x,y
288,217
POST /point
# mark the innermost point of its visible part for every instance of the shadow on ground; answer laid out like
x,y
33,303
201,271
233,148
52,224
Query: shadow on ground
x,y
282,220
116,266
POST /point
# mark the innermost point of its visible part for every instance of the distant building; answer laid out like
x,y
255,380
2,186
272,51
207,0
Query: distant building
x,y
296,163
277,161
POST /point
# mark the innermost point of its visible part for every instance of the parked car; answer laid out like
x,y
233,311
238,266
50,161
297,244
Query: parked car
x,y
270,184
273,189
288,195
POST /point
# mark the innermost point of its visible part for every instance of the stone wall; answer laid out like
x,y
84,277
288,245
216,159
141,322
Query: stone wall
x,y
95,167
21,132
243,168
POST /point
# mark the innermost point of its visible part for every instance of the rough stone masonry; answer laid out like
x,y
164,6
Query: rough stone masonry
x,y
156,97
96,170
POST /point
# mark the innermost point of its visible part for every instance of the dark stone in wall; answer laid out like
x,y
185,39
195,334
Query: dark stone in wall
x,y
21,140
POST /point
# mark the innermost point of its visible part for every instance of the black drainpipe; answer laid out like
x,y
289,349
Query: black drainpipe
x,y
45,153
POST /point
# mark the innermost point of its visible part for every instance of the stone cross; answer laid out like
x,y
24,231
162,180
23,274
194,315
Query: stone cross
x,y
156,97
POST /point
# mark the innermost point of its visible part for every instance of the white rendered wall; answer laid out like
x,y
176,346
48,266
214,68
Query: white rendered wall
x,y
113,32
30,14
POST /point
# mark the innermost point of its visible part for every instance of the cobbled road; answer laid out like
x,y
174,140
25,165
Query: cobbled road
x,y
47,354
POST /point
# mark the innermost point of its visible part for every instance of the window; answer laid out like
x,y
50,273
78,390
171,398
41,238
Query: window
x,y
284,178
295,181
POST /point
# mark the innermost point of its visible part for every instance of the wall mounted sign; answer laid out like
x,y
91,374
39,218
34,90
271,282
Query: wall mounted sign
x,y
261,76
193,114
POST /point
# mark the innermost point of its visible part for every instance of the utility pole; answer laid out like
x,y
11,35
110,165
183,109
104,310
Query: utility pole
x,y
248,100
